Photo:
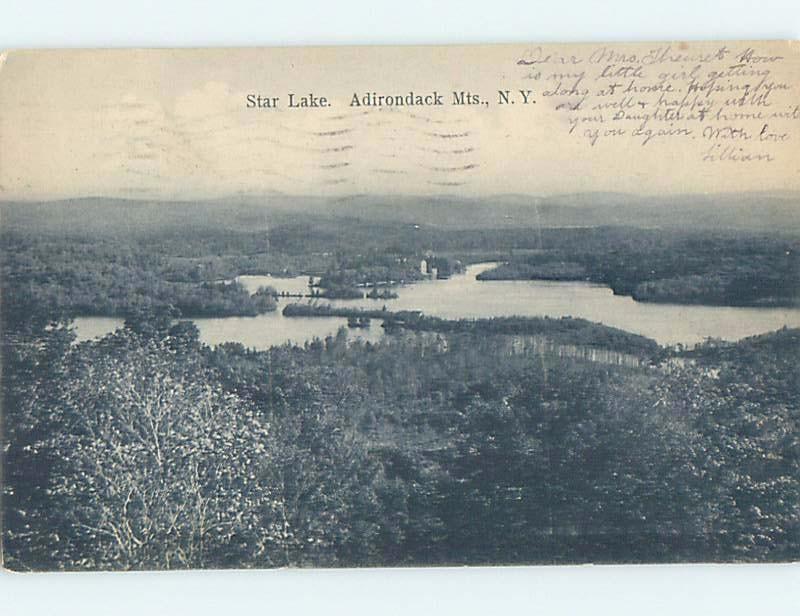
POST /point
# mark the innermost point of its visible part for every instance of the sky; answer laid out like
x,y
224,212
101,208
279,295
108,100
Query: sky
x,y
174,124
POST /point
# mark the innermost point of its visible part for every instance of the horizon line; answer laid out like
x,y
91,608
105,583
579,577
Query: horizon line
x,y
231,196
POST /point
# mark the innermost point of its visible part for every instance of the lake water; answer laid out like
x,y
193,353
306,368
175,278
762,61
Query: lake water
x,y
463,296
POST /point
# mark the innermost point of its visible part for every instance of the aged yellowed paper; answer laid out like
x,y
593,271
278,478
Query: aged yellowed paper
x,y
392,306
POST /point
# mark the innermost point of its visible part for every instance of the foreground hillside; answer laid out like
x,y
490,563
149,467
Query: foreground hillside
x,y
147,449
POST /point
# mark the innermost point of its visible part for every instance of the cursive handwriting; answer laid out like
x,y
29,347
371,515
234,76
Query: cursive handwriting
x,y
728,104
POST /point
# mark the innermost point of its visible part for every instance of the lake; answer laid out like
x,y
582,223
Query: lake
x,y
462,296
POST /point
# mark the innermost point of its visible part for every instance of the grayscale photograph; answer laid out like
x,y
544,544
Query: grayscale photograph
x,y
400,306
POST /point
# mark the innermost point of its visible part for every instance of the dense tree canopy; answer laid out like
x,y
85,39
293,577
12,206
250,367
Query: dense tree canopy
x,y
465,442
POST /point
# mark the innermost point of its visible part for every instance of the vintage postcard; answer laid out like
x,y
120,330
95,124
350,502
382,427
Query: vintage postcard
x,y
400,306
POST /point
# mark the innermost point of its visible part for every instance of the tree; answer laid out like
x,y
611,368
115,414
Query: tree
x,y
158,466
34,345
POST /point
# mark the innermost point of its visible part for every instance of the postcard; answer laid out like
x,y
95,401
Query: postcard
x,y
400,306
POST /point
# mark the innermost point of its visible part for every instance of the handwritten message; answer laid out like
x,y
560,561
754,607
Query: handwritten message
x,y
737,103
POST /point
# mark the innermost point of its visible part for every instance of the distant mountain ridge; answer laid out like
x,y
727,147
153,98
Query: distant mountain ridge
x,y
762,211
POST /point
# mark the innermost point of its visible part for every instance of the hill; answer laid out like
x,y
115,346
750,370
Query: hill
x,y
746,211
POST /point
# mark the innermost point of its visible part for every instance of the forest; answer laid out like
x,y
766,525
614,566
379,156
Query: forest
x,y
100,271
689,267
448,442
564,330
147,449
